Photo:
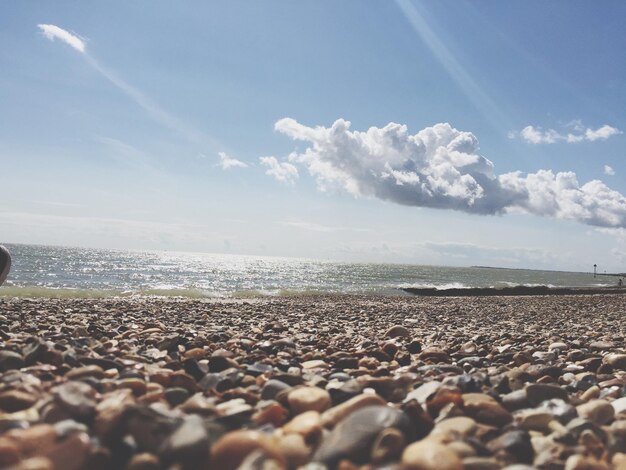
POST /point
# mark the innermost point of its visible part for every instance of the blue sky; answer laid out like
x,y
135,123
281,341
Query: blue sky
x,y
118,144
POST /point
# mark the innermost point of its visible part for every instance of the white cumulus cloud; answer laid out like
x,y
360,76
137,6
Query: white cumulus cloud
x,y
227,162
536,135
609,170
283,171
53,32
439,167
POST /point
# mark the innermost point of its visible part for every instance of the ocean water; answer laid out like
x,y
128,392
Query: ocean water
x,y
78,272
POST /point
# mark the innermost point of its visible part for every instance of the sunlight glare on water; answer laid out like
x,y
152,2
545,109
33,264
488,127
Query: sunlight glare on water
x,y
199,274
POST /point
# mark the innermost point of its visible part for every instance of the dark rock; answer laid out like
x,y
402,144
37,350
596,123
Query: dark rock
x,y
272,388
176,395
353,437
188,445
537,393
10,360
516,444
414,347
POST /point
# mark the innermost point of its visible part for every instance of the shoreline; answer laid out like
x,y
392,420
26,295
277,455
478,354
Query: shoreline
x,y
341,380
8,292
514,291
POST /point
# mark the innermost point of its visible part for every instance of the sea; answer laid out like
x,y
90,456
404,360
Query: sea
x,y
50,271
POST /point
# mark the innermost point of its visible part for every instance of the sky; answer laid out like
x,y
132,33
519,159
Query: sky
x,y
452,132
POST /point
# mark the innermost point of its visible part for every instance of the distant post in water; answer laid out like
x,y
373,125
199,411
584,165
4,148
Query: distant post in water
x,y
595,266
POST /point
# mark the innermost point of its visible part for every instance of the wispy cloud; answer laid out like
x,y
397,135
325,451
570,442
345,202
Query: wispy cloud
x,y
536,135
283,171
68,228
313,227
152,108
226,162
58,204
440,167
53,32
609,171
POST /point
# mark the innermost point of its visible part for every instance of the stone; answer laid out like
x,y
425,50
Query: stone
x,y
135,384
308,425
533,419
486,409
70,453
35,463
34,440
414,347
461,426
580,462
434,354
293,449
233,448
187,445
314,364
9,453
272,413
430,455
16,400
144,461
176,395
423,392
353,437
10,360
335,414
615,360
480,463
515,443
597,411
77,398
308,399
398,331
150,427
272,388
387,446
591,393
85,371
560,410
221,363
537,393
619,405
515,400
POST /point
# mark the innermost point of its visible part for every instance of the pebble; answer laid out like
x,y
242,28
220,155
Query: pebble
x,y
461,426
619,405
353,437
16,400
597,411
231,450
308,425
398,331
144,461
308,399
313,382
429,455
536,393
10,360
515,443
335,414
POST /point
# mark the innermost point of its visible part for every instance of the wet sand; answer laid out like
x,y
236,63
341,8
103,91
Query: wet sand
x,y
314,382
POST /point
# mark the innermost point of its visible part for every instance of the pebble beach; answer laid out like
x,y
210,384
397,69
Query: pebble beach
x,y
314,382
